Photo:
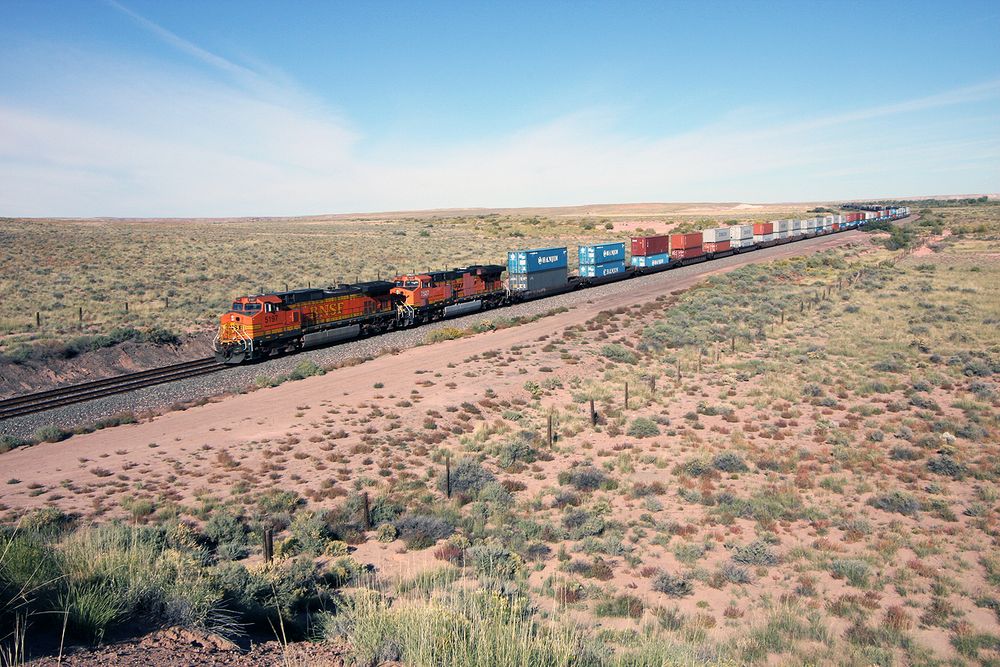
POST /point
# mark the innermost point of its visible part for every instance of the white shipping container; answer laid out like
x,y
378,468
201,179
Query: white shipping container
x,y
782,225
715,235
762,238
741,232
796,225
741,243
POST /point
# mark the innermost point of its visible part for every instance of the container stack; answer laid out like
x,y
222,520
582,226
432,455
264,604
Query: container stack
x,y
741,236
686,246
650,251
782,229
795,228
539,269
763,232
716,240
600,261
809,226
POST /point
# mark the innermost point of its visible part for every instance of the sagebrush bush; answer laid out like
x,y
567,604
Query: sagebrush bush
x,y
896,501
643,427
421,531
673,586
583,478
755,553
468,477
729,462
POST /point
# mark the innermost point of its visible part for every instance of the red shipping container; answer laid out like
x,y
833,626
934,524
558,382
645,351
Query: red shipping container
x,y
684,241
650,245
716,246
762,228
836,227
686,253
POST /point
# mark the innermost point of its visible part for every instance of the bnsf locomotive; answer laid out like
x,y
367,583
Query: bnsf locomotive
x,y
267,324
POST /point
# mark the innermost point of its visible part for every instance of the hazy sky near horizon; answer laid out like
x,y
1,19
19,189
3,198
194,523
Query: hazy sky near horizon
x,y
185,108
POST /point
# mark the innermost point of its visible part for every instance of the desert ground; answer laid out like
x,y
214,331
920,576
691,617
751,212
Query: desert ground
x,y
806,471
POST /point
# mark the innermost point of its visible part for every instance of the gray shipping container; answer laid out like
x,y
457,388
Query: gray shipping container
x,y
538,280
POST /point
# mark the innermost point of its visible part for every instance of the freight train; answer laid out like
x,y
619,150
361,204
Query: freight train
x,y
265,325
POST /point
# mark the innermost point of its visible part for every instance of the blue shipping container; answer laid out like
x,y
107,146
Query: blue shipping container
x,y
649,261
600,254
602,270
542,259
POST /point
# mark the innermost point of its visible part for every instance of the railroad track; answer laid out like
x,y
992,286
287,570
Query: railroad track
x,y
78,393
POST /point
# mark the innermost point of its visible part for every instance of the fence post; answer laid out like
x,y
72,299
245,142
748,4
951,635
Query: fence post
x,y
550,431
368,511
268,544
38,319
652,383
593,414
447,474
732,345
626,395
782,316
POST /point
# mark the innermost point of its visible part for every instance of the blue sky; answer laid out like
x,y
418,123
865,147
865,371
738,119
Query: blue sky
x,y
182,108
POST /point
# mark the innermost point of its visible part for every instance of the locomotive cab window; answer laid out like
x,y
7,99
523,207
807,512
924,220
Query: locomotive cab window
x,y
252,308
237,306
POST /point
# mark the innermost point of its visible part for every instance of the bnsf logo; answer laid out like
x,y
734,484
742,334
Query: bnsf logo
x,y
548,260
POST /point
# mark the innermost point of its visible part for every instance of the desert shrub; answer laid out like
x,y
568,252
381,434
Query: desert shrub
x,y
45,520
228,533
51,433
755,553
856,572
493,561
468,477
515,451
735,574
729,462
643,427
900,453
311,532
695,468
895,501
811,389
620,606
617,352
304,369
420,531
944,464
672,586
583,478
891,364
983,390
277,501
386,533
581,523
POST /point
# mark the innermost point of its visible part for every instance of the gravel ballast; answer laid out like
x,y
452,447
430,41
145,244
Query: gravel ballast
x,y
239,378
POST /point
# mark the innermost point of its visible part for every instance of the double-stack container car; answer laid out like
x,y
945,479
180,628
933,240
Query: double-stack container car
x,y
601,261
650,251
537,270
716,241
685,247
741,237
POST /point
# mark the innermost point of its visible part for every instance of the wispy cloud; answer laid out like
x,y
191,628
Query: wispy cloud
x,y
250,142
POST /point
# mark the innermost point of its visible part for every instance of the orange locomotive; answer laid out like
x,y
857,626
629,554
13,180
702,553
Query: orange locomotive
x,y
262,325
437,294
267,324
